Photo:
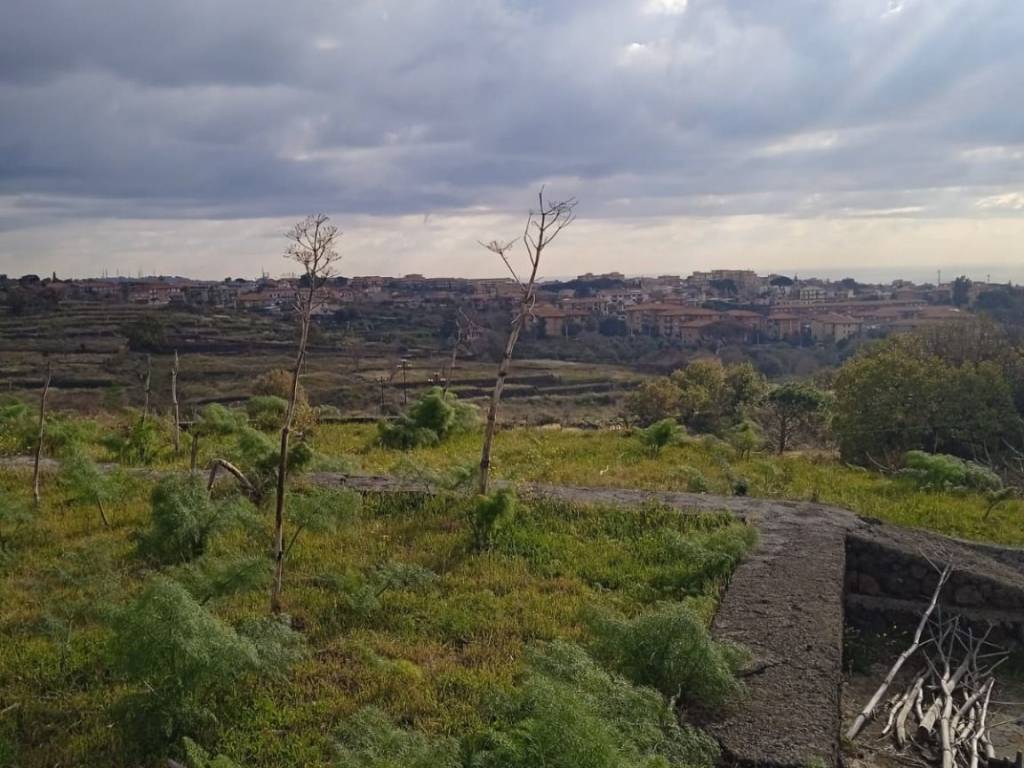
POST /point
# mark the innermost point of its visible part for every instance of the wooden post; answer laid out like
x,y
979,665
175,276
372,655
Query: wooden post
x,y
146,387
42,430
174,403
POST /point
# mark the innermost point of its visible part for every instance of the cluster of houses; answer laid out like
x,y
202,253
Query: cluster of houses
x,y
741,305
736,304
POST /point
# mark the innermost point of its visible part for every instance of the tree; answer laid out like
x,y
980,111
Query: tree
x,y
312,247
781,281
543,225
899,396
790,408
961,294
653,400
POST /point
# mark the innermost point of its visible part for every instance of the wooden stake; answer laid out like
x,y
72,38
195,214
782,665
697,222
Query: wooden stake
x,y
174,403
42,430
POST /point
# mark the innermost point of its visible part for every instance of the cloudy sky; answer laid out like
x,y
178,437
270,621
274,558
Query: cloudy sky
x,y
869,137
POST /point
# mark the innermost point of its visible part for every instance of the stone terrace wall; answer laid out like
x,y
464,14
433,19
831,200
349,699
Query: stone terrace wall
x,y
887,587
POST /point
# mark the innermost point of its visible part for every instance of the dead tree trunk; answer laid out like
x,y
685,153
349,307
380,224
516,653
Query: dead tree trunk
x,y
232,470
39,437
542,226
174,404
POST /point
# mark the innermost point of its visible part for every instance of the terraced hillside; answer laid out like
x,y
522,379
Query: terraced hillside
x,y
222,354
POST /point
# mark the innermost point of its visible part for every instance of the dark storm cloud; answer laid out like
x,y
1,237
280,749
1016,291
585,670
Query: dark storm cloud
x,y
238,108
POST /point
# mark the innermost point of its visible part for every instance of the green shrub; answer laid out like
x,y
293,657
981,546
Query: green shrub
x,y
669,648
216,419
266,412
695,480
258,454
183,664
429,421
17,429
944,472
488,514
570,713
369,739
183,518
660,434
746,437
211,578
136,444
85,483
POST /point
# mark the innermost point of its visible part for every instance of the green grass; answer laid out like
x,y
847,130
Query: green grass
x,y
612,458
439,651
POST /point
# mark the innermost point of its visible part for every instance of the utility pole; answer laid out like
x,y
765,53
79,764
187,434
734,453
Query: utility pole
x,y
382,381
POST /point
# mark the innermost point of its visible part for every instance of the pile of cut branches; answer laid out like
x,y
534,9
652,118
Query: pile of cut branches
x,y
941,713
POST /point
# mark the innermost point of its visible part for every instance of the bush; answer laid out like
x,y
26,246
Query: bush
x,y
278,383
660,434
84,483
669,648
746,437
215,419
429,421
369,739
183,519
487,515
258,454
570,713
941,471
135,444
181,662
266,412
695,480
211,578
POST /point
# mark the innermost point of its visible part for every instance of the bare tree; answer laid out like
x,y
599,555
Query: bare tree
x,y
174,404
42,430
312,247
463,326
542,226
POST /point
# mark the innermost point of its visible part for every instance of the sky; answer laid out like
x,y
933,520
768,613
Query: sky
x,y
875,138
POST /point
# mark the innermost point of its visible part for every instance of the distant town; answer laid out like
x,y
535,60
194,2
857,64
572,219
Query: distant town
x,y
734,304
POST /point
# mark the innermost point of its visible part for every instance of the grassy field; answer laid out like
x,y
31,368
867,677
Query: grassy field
x,y
614,458
461,652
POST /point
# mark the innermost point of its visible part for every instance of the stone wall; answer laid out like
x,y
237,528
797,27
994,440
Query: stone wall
x,y
888,587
